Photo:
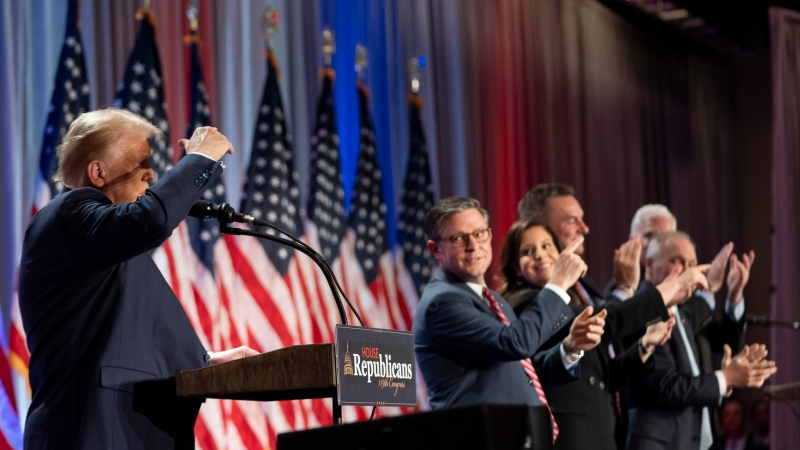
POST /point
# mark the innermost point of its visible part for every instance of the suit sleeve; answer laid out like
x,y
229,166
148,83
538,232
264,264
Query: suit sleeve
x,y
457,326
726,331
633,315
697,311
627,368
550,367
109,234
673,387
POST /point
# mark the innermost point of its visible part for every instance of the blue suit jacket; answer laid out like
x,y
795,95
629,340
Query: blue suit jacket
x,y
468,356
105,331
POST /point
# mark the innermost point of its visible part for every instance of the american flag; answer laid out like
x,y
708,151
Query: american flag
x,y
326,220
278,294
326,224
142,90
371,273
416,201
414,261
189,253
70,98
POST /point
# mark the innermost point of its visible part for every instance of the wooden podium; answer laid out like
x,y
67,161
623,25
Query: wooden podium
x,y
291,373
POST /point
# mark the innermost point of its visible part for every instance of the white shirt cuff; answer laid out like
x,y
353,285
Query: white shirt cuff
x,y
569,365
557,289
620,294
735,312
201,154
723,385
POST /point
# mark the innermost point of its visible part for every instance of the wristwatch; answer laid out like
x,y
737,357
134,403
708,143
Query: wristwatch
x,y
574,357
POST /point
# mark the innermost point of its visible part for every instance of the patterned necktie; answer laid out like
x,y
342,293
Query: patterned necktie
x,y
583,295
706,438
527,365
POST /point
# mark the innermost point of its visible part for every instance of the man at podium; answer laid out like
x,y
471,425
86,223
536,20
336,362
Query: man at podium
x,y
105,331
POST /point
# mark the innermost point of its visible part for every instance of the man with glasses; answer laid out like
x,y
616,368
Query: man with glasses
x,y
470,346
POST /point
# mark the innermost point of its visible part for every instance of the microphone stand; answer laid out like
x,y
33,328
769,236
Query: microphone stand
x,y
225,216
316,257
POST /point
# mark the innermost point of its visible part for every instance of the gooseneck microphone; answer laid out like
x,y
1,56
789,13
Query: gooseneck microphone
x,y
223,213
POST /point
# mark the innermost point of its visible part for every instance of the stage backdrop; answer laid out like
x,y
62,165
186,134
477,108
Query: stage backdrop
x,y
515,93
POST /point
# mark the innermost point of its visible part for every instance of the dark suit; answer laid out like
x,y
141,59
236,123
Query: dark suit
x,y
105,331
666,407
583,407
468,356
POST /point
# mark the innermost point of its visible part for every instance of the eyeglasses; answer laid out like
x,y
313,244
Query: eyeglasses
x,y
462,239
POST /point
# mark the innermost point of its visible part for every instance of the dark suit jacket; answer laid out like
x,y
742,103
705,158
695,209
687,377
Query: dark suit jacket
x,y
468,356
105,331
666,407
583,407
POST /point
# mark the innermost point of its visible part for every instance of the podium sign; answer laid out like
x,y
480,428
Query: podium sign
x,y
375,367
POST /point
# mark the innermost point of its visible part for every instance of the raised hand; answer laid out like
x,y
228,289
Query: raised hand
x,y
627,270
569,267
738,275
749,368
679,287
207,141
716,275
586,331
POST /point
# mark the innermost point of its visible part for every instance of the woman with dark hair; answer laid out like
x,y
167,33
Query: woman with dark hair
x,y
583,407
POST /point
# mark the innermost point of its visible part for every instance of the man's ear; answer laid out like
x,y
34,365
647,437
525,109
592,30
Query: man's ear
x,y
433,247
648,268
96,173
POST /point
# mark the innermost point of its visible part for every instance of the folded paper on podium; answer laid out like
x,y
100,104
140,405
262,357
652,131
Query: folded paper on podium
x,y
291,373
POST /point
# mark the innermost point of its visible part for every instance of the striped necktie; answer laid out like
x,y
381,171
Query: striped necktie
x,y
527,365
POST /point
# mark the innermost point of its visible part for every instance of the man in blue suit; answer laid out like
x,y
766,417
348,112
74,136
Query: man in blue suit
x,y
466,353
671,407
105,331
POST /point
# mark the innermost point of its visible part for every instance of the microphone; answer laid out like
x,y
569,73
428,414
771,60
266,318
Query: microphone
x,y
758,320
768,322
224,213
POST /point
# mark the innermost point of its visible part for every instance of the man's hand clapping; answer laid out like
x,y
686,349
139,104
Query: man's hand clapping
x,y
750,368
627,270
738,275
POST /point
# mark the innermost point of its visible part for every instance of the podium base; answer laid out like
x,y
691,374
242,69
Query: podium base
x,y
478,427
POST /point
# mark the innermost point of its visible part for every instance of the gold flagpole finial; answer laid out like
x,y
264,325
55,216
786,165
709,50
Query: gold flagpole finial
x,y
191,13
361,61
269,23
328,45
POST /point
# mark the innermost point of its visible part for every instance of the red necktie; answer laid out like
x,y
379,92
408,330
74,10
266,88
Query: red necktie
x,y
527,365
582,293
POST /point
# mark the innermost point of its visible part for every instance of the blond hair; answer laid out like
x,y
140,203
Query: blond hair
x,y
92,136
